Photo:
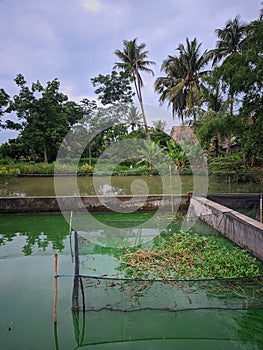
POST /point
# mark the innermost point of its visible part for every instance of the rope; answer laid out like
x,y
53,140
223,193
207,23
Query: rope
x,y
247,278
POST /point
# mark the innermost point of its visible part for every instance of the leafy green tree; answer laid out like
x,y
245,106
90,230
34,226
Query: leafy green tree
x,y
176,153
251,85
217,128
15,149
4,101
112,88
242,72
45,116
101,126
213,128
181,85
133,60
158,135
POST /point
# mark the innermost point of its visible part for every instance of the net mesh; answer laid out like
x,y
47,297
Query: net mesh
x,y
99,284
110,308
115,294
167,309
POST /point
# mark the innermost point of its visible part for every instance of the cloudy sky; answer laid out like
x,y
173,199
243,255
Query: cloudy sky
x,y
74,40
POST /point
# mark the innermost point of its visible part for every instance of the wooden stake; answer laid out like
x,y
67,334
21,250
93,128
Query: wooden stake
x,y
260,208
70,222
172,198
55,286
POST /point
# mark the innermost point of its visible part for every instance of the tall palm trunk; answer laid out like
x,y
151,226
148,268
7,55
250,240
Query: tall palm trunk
x,y
139,95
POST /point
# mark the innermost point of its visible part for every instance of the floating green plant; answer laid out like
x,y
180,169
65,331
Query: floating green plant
x,y
190,256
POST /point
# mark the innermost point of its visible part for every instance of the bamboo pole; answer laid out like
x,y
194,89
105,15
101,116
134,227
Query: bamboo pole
x,y
70,235
172,198
70,223
260,208
75,293
55,286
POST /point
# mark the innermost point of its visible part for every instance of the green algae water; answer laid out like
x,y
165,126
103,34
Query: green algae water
x,y
27,247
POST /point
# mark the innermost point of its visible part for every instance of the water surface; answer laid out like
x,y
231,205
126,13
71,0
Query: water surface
x,y
27,246
44,186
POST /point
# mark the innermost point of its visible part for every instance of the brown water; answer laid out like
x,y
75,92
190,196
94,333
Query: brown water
x,y
44,186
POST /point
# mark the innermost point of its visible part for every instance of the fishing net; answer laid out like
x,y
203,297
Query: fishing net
x,y
111,306
95,294
99,284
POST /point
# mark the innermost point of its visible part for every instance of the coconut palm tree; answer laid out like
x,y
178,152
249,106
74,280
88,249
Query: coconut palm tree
x,y
133,60
159,124
152,154
230,39
181,85
134,117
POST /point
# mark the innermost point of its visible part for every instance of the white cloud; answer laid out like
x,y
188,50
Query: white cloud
x,y
70,91
160,32
92,5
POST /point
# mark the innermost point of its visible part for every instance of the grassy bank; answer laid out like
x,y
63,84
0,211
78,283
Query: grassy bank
x,y
228,169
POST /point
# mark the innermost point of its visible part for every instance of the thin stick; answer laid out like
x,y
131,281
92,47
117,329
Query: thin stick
x,y
75,294
55,286
260,208
70,222
172,199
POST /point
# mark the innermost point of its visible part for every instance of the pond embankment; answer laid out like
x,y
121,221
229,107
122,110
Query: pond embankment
x,y
11,205
244,231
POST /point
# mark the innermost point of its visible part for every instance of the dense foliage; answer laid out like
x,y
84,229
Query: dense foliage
x,y
217,92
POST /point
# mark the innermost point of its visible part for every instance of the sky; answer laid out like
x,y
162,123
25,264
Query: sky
x,y
74,40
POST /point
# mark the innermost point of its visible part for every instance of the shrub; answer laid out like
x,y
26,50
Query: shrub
x,y
85,169
229,164
9,170
36,168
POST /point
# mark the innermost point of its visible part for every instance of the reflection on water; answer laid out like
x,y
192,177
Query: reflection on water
x,y
27,245
44,186
32,234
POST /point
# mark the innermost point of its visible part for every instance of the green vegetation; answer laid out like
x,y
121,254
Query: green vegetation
x,y
189,256
217,92
42,168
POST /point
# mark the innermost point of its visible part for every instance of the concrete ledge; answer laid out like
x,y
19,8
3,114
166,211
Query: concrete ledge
x,y
11,205
242,230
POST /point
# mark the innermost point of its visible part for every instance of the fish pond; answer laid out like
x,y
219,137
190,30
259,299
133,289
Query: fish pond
x,y
120,185
125,281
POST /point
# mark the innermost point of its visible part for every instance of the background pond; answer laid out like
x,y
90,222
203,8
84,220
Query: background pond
x,y
44,186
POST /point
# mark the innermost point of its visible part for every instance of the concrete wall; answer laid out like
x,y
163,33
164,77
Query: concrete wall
x,y
10,205
236,201
242,230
